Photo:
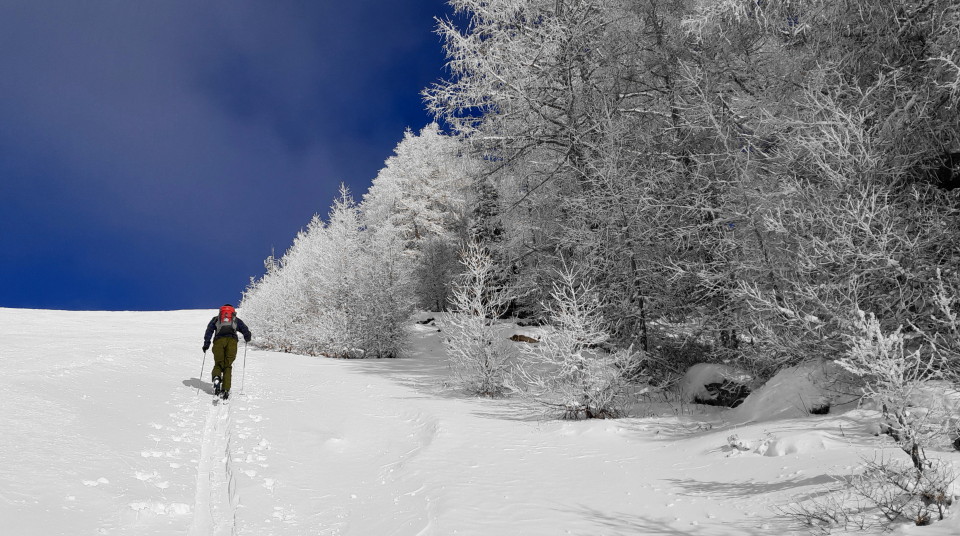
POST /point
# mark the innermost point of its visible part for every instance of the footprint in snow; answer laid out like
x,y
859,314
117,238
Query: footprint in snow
x,y
282,514
161,509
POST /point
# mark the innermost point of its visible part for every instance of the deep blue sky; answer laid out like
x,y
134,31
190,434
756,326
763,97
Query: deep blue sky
x,y
152,152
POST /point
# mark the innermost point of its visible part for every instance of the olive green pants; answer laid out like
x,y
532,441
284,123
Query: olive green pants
x,y
224,352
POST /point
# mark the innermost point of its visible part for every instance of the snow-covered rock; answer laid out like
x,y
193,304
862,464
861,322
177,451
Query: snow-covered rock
x,y
737,443
697,382
793,392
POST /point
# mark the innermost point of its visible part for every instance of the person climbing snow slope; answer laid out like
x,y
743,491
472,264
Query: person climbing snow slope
x,y
223,328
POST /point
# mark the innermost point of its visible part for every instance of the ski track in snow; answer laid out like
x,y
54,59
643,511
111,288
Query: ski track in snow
x,y
209,503
223,460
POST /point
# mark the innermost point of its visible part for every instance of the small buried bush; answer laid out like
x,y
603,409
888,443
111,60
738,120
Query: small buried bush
x,y
727,394
820,409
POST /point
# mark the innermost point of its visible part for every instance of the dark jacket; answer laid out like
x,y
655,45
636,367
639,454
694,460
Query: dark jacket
x,y
212,327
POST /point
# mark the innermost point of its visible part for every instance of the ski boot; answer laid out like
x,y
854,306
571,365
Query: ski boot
x,y
216,386
225,395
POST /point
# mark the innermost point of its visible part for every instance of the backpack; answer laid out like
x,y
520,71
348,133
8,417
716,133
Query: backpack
x,y
227,321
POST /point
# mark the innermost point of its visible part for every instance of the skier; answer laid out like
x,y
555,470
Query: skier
x,y
225,325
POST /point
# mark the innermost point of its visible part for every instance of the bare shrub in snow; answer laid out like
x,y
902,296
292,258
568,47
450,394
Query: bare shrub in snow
x,y
832,509
885,492
896,378
900,491
568,370
904,377
478,351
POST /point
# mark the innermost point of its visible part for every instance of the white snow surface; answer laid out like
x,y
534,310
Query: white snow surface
x,y
104,433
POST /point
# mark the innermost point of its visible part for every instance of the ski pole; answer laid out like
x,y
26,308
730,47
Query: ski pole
x,y
243,374
200,377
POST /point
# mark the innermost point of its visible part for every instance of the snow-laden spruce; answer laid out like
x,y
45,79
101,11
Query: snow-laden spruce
x,y
570,370
480,355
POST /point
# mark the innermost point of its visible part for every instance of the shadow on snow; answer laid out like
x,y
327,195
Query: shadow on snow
x,y
624,524
194,383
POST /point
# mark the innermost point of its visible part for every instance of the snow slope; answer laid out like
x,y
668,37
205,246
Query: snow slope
x,y
104,433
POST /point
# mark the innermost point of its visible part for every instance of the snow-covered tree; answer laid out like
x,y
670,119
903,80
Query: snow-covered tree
x,y
420,190
755,171
383,296
434,271
421,187
419,195
824,198
478,351
277,305
570,369
338,291
580,132
902,382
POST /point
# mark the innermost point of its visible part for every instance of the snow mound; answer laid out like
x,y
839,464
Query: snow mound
x,y
695,381
775,445
794,392
801,443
